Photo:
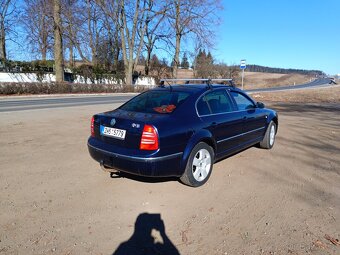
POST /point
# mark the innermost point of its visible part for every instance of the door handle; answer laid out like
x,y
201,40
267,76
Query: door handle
x,y
213,124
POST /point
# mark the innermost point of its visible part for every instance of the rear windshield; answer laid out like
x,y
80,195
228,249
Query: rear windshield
x,y
163,102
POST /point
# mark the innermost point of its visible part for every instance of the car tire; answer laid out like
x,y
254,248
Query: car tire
x,y
199,165
269,137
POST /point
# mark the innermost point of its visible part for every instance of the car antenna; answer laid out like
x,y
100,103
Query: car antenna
x,y
162,85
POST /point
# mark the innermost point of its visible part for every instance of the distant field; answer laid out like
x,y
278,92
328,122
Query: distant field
x,y
316,95
254,80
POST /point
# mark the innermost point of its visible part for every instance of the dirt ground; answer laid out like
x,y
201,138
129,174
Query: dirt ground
x,y
55,199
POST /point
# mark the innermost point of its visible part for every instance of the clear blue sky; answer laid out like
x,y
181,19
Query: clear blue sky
x,y
303,34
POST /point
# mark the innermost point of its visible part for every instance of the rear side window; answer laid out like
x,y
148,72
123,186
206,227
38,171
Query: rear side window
x,y
213,103
163,102
243,103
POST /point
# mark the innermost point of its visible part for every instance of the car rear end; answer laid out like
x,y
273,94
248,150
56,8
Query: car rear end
x,y
136,138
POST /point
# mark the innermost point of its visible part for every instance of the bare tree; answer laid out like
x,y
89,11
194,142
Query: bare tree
x,y
58,42
72,23
130,19
222,70
234,72
6,12
82,28
192,17
37,20
154,28
129,16
160,69
113,43
94,28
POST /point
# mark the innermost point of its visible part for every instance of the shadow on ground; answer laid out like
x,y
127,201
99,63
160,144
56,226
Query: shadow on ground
x,y
313,143
149,238
305,107
142,178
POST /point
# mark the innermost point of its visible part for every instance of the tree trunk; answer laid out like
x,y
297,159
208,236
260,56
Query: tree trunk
x,y
149,47
43,50
147,61
44,38
3,14
178,39
2,45
71,56
128,73
176,59
58,42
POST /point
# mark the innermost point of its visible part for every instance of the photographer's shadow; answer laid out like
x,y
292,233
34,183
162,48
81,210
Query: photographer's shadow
x,y
148,238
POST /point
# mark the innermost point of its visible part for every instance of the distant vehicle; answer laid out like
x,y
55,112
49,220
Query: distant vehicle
x,y
332,80
180,130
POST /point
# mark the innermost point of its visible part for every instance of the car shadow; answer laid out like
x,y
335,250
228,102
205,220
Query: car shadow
x,y
138,178
148,238
142,178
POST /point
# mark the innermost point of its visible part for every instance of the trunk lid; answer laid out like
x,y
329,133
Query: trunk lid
x,y
123,128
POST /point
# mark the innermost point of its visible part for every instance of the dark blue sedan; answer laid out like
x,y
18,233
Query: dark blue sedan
x,y
180,130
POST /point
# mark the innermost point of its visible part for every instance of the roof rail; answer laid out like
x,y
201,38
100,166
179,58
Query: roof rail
x,y
206,80
195,79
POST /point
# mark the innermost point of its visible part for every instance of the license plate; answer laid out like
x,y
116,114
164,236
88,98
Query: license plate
x,y
113,132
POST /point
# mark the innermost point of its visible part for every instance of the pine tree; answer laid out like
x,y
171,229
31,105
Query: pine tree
x,y
204,65
185,62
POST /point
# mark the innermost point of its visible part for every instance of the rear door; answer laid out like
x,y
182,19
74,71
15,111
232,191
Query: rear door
x,y
216,111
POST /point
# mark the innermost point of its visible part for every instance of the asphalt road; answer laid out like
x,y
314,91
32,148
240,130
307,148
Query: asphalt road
x,y
32,103
316,83
9,105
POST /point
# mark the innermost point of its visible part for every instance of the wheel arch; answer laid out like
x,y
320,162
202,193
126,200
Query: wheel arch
x,y
201,136
273,117
276,121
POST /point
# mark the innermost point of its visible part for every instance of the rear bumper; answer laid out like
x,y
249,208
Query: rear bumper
x,y
162,166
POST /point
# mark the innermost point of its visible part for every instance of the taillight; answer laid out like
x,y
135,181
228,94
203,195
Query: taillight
x,y
92,126
149,139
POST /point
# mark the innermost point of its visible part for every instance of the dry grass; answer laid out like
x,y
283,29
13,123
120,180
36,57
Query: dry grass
x,y
317,95
253,80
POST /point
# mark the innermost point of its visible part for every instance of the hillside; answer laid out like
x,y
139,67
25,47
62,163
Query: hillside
x,y
253,80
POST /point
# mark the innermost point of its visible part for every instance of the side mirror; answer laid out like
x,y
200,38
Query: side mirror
x,y
260,105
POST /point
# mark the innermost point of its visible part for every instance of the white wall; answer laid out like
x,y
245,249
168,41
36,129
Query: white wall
x,y
32,77
25,77
146,81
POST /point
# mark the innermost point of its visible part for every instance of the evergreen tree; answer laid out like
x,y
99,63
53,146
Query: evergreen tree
x,y
185,62
154,61
204,65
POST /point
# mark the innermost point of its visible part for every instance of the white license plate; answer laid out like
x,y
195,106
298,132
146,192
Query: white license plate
x,y
113,132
